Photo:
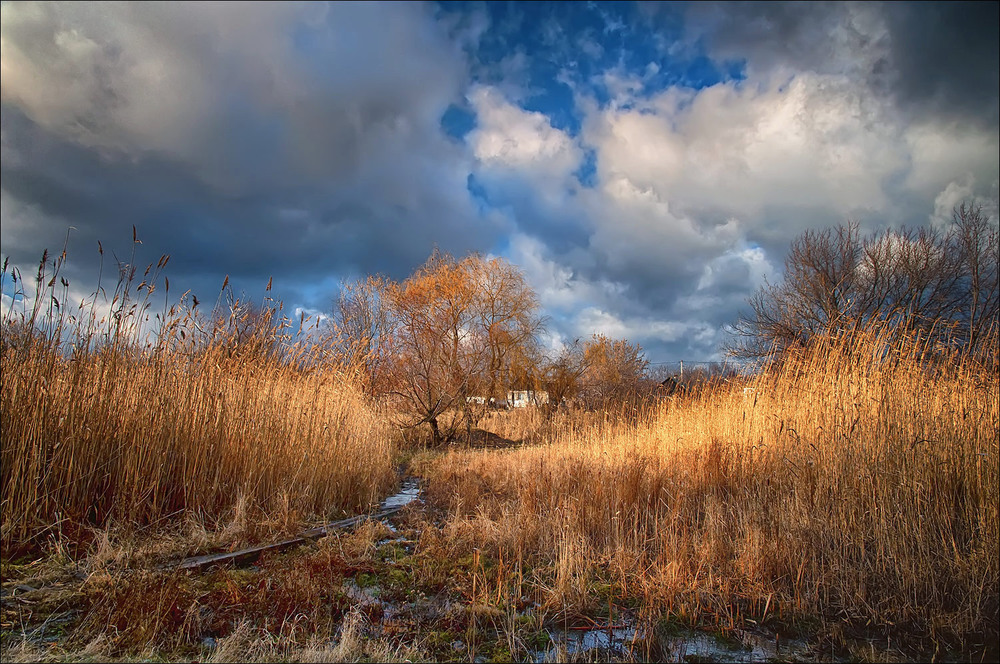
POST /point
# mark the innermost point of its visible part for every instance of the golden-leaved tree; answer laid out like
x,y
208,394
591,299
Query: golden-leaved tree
x,y
614,370
456,326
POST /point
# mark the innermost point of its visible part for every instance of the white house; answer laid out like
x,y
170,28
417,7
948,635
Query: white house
x,y
525,398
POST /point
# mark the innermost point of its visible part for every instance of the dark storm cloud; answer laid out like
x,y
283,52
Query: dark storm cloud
x,y
933,58
296,233
278,139
769,33
647,169
947,55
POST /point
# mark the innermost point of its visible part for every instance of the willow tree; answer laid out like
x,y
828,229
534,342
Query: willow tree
x,y
455,326
614,370
506,311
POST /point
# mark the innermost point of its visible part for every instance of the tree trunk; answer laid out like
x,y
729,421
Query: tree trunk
x,y
436,431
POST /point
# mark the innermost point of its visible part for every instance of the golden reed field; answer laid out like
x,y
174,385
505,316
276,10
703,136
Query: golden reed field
x,y
855,483
106,423
850,493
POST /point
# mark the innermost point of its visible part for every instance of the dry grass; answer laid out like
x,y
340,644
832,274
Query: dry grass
x,y
854,484
113,437
247,644
225,418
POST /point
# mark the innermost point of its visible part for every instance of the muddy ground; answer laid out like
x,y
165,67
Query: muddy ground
x,y
382,590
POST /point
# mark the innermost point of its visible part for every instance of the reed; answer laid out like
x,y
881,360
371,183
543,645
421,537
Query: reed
x,y
112,415
857,483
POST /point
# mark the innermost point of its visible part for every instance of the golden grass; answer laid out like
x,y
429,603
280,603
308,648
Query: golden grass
x,y
230,422
855,484
122,437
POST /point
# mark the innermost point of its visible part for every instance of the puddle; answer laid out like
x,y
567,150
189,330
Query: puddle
x,y
627,643
747,647
409,492
364,596
616,641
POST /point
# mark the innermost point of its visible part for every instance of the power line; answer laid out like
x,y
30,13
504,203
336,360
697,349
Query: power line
x,y
690,362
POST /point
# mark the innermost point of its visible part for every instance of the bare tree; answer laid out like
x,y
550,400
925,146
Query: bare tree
x,y
362,323
979,250
915,280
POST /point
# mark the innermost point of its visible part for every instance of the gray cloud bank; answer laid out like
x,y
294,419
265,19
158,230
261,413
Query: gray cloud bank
x,y
305,141
935,59
281,138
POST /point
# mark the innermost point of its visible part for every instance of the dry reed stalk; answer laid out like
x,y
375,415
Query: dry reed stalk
x,y
857,481
106,424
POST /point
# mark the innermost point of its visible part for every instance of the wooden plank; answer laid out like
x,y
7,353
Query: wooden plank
x,y
247,556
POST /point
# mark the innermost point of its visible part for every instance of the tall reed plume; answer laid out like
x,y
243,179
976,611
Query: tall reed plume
x,y
114,412
856,481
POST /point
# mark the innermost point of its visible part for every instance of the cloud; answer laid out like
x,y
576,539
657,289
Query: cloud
x,y
690,179
947,58
163,78
948,200
933,59
508,137
738,146
697,193
941,152
528,168
963,191
284,138
554,283
646,167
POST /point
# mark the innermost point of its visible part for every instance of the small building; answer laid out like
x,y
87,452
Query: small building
x,y
668,387
525,398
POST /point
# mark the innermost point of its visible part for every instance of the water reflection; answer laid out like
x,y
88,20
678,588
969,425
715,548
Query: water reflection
x,y
628,643
409,492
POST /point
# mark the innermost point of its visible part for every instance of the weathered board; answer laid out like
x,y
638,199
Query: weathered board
x,y
247,556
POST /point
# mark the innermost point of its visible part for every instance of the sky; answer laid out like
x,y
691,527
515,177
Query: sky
x,y
645,165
